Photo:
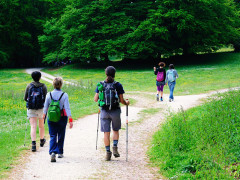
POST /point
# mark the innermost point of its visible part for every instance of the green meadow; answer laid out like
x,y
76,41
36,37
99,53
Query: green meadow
x,y
202,74
202,142
13,117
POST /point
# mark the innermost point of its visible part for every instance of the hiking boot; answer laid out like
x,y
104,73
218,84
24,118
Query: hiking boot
x,y
53,157
42,142
115,151
60,155
157,97
34,148
108,156
161,99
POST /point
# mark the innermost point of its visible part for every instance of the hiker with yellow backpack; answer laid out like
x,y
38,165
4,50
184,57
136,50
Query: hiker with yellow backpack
x,y
58,111
108,95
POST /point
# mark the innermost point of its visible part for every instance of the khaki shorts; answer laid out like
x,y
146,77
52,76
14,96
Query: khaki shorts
x,y
109,117
35,113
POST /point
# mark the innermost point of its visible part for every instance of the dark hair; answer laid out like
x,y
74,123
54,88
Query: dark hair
x,y
110,72
36,75
162,64
171,66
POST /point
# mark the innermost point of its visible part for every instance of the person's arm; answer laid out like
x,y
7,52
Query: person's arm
x,y
46,105
67,109
155,70
44,91
122,100
176,74
96,97
26,93
164,75
166,80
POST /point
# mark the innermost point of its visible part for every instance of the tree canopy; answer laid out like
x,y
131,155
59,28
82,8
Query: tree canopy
x,y
83,30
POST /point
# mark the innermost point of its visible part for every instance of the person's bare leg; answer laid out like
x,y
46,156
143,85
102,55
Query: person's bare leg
x,y
41,128
115,135
161,93
107,146
107,138
33,122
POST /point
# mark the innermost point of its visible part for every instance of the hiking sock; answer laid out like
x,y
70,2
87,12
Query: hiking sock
x,y
115,143
33,142
107,148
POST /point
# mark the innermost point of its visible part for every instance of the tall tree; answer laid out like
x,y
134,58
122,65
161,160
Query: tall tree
x,y
21,22
101,29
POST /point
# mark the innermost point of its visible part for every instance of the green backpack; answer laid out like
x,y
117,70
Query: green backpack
x,y
101,102
54,111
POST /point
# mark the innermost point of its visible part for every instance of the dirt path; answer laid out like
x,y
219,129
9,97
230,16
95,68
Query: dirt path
x,y
83,161
47,77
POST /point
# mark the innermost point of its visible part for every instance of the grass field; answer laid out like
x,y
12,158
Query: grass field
x,y
202,74
13,117
201,143
14,113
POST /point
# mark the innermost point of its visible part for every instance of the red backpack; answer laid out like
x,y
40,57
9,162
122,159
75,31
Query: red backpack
x,y
160,76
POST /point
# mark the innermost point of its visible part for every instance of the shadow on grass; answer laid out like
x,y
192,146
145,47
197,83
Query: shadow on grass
x,y
222,58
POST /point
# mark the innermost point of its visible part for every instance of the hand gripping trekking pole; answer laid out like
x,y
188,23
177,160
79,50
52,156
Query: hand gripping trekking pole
x,y
97,128
127,133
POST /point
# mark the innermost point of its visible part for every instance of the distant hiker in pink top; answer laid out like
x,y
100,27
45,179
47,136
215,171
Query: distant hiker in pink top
x,y
160,80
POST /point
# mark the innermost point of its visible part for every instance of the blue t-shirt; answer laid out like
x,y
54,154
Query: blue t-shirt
x,y
119,88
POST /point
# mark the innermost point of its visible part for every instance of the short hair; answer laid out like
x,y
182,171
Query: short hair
x,y
110,71
162,64
36,75
171,66
57,82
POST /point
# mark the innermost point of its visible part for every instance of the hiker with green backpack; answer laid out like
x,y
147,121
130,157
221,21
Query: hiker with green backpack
x,y
58,111
108,95
171,77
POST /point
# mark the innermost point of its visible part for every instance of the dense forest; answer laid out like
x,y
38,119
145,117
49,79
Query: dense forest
x,y
36,31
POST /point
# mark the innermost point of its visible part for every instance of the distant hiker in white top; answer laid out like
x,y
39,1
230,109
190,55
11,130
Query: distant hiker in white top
x,y
58,109
171,77
35,96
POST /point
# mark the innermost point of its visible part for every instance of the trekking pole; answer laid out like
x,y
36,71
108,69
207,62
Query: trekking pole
x,y
97,128
25,133
127,133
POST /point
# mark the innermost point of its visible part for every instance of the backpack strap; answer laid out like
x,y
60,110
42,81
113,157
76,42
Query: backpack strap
x,y
51,96
61,96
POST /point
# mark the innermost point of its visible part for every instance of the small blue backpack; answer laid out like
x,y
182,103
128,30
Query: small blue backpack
x,y
171,76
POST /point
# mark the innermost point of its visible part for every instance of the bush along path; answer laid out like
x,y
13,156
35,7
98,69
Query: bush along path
x,y
82,160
